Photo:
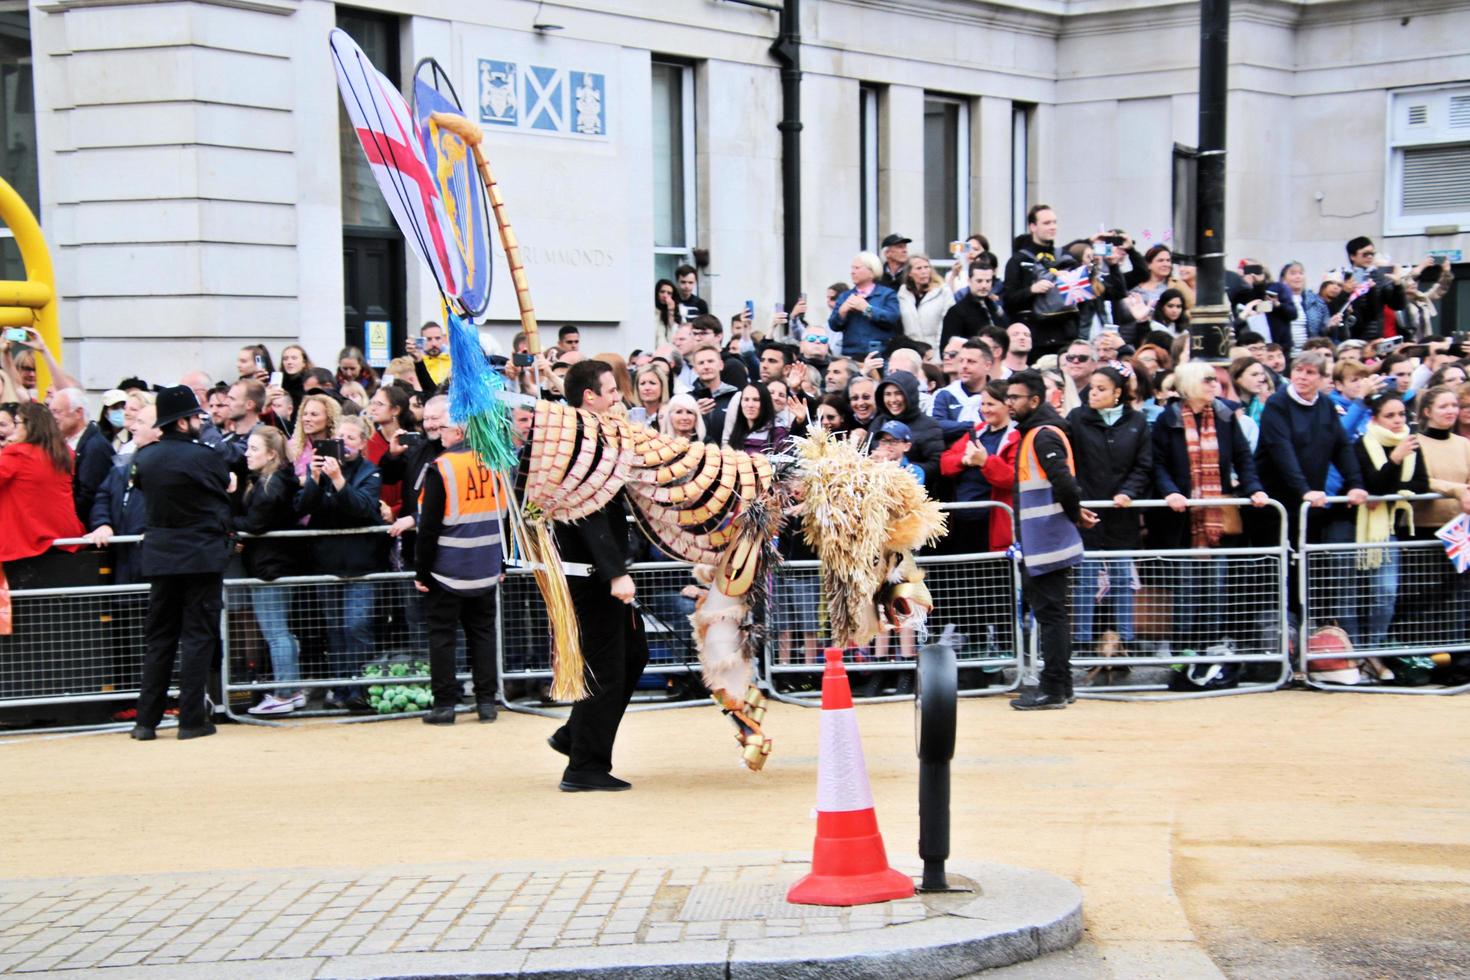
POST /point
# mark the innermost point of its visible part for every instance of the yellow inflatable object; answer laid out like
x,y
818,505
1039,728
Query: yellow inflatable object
x,y
30,302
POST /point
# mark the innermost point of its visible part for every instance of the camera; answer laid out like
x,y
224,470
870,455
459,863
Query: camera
x,y
1252,270
410,440
16,335
1103,249
328,448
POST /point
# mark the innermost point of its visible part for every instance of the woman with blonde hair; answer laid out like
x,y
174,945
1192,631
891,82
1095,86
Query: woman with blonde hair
x,y
652,386
680,417
317,418
923,300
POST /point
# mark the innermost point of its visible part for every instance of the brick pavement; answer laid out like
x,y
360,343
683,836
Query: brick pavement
x,y
156,921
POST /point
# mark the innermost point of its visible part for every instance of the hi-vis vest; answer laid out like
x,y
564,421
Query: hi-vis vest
x,y
1049,541
469,558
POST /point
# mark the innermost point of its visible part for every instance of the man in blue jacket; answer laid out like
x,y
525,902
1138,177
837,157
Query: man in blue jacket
x,y
867,314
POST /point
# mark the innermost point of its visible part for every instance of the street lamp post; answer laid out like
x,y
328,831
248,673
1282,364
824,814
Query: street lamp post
x,y
1209,327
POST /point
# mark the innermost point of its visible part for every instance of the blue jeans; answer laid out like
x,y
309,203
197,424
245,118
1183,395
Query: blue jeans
x,y
1199,596
272,608
349,628
1367,625
1119,597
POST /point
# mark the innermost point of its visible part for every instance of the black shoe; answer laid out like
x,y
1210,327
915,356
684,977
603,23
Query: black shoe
x,y
202,732
905,683
142,733
593,782
439,716
487,710
869,686
1039,700
560,743
1071,695
359,705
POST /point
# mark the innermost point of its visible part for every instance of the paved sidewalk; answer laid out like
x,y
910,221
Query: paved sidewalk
x,y
686,917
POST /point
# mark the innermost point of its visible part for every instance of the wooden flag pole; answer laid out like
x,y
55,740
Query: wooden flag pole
x,y
473,135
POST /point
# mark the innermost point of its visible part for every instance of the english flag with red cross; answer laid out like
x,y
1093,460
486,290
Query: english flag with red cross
x,y
390,139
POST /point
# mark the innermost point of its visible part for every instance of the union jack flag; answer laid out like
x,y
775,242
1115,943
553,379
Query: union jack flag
x,y
1075,286
1456,538
1361,289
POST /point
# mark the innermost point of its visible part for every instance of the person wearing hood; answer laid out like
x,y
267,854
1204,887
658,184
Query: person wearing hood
x,y
1115,460
898,399
1049,505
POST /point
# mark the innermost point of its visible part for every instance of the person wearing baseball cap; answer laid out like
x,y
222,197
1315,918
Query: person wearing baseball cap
x,y
895,261
895,439
113,421
185,548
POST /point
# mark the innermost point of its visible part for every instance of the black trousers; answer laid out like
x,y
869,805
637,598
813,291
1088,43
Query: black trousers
x,y
1049,596
183,618
615,648
444,611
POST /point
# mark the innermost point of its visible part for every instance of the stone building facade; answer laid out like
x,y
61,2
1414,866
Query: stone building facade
x,y
192,178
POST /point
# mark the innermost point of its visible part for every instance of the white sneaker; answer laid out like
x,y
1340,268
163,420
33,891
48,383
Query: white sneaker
x,y
298,700
273,705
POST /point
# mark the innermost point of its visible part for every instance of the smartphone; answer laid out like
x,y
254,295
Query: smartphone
x,y
276,378
259,363
328,447
801,297
699,392
16,335
750,309
418,343
1103,249
780,307
410,440
956,249
1252,270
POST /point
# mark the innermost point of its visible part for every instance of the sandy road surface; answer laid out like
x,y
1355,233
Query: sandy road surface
x,y
1292,834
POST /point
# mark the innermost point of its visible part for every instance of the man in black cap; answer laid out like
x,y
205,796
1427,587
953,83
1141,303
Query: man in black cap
x,y
185,548
895,261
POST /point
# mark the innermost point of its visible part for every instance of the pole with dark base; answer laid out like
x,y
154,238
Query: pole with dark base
x,y
1209,322
935,700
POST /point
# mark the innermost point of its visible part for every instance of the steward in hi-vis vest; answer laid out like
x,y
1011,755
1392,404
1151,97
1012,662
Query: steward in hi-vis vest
x,y
1048,510
458,561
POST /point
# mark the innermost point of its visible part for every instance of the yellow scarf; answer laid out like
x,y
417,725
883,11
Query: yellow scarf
x,y
1375,521
438,366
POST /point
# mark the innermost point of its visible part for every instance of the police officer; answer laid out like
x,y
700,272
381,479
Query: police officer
x,y
597,555
185,549
458,560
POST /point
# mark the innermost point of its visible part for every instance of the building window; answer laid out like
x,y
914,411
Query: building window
x,y
18,160
946,175
868,156
673,167
1020,170
363,204
1428,177
1186,182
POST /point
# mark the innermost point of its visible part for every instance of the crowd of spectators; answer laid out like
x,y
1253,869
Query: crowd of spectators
x,y
1337,385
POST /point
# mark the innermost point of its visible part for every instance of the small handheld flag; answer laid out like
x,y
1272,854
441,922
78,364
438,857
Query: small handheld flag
x,y
1075,286
1456,538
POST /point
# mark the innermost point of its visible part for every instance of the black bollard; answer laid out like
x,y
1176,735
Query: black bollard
x,y
935,710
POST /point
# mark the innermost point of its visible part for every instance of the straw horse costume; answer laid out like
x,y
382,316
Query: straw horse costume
x,y
719,509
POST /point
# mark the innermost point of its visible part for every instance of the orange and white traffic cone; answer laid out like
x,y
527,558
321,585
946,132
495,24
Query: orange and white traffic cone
x,y
849,862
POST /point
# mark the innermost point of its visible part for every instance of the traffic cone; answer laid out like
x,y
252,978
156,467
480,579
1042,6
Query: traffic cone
x,y
849,863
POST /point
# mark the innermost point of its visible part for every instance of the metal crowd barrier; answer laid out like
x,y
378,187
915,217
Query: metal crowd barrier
x,y
524,641
1393,600
975,612
1185,609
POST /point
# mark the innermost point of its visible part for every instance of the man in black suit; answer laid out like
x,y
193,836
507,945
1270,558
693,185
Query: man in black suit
x,y
185,548
596,554
94,452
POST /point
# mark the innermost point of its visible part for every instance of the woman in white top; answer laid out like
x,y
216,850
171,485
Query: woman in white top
x,y
922,302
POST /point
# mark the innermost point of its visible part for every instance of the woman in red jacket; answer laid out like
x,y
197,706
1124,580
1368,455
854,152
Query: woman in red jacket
x,y
983,463
36,505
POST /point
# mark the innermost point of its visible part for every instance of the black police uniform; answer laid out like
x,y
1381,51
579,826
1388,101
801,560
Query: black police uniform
x,y
185,549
